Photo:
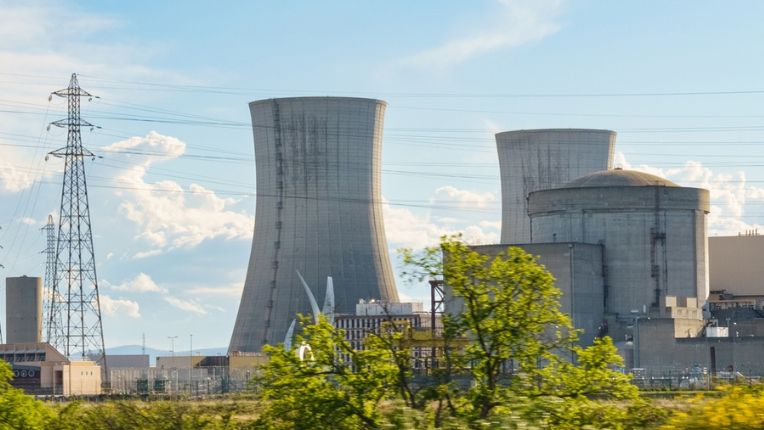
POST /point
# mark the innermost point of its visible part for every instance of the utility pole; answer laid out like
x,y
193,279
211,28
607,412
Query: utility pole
x,y
172,346
174,366
190,360
75,323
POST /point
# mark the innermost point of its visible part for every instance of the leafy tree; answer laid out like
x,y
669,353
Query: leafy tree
x,y
521,343
17,409
334,386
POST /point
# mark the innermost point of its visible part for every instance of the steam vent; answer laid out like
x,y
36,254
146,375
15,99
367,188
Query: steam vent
x,y
318,163
533,160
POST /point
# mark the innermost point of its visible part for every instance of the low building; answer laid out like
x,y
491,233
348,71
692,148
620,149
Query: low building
x,y
39,368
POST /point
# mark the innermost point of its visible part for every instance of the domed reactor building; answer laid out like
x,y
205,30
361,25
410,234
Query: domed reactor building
x,y
318,163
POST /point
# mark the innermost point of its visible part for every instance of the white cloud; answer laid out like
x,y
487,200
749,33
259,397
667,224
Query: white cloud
x,y
168,215
729,193
140,284
28,221
465,198
186,305
404,228
518,23
116,307
147,254
233,290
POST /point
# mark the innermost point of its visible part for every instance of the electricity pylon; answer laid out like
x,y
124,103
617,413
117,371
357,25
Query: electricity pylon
x,y
75,325
50,273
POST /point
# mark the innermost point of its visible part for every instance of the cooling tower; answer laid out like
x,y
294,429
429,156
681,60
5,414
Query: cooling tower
x,y
533,160
318,162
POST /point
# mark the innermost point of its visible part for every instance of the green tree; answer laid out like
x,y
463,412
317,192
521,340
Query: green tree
x,y
521,343
17,409
333,386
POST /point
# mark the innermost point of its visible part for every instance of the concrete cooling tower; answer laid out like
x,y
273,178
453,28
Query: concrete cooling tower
x,y
533,160
318,162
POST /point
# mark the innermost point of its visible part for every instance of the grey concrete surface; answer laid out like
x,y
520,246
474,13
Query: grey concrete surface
x,y
654,237
318,163
577,269
23,309
735,264
532,160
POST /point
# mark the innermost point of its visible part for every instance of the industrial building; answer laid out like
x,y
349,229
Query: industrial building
x,y
653,233
630,253
39,368
736,272
318,211
532,160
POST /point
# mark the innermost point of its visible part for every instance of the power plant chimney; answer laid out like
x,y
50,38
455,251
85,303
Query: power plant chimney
x,y
318,163
534,160
23,309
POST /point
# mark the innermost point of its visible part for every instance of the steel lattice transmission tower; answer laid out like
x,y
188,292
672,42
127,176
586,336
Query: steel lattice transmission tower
x,y
75,325
50,273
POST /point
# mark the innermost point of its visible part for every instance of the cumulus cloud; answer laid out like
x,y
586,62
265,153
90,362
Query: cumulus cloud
x,y
140,284
186,305
232,290
404,228
730,193
118,307
43,53
465,198
170,216
519,22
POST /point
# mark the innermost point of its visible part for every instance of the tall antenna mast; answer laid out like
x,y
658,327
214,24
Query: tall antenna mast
x,y
49,326
74,300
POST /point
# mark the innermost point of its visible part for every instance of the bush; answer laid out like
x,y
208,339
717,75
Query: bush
x,y
740,408
19,411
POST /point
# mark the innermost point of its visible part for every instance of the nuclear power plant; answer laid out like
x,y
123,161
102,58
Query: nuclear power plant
x,y
628,250
318,211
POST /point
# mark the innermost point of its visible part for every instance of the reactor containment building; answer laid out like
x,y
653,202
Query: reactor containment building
x,y
318,212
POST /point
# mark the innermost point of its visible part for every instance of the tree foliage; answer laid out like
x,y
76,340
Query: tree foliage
x,y
333,386
18,410
511,343
521,343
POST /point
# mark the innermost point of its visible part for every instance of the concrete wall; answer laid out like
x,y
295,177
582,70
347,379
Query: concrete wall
x,y
577,269
178,361
23,309
115,361
624,219
318,163
532,160
660,351
735,264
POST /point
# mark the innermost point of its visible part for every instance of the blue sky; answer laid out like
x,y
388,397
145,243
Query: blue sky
x,y
679,81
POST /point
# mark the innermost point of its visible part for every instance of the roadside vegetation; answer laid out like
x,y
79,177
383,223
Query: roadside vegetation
x,y
506,364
